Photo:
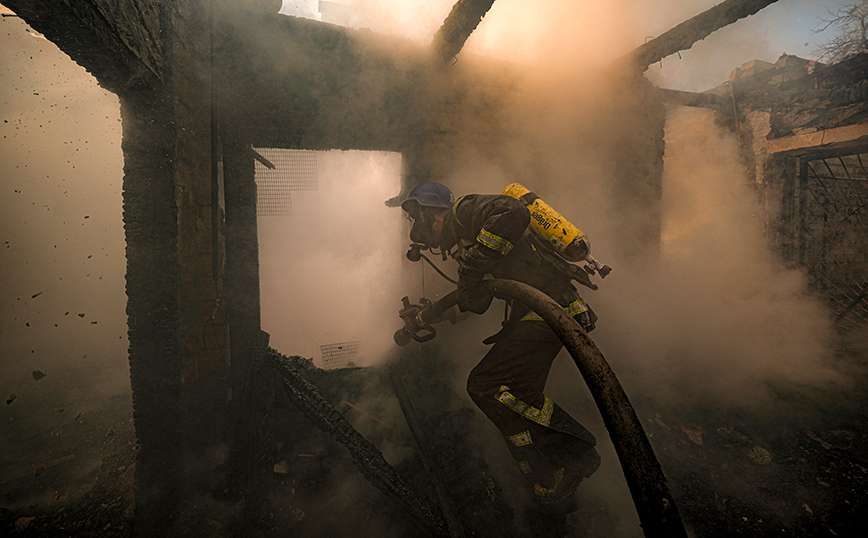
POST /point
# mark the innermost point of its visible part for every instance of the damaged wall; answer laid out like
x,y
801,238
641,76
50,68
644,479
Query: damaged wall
x,y
803,128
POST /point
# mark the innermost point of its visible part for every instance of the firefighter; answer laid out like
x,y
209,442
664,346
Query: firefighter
x,y
489,235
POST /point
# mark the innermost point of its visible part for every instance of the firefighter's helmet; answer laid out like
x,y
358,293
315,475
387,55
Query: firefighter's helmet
x,y
429,194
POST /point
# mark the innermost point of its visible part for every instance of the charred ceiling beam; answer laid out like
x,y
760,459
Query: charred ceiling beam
x,y
459,24
692,99
82,31
683,36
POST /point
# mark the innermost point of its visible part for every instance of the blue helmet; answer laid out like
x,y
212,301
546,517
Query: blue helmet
x,y
429,194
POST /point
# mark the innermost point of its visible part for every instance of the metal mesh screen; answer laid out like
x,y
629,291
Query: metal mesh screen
x,y
338,355
834,233
278,173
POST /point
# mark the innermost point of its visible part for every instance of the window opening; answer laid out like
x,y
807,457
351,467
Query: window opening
x,y
834,232
332,270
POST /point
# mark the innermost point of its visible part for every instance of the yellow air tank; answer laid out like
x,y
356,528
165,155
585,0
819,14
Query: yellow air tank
x,y
567,240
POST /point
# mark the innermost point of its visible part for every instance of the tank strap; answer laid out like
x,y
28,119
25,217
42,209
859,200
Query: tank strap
x,y
455,211
528,198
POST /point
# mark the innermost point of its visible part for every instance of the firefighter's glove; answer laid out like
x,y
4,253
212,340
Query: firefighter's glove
x,y
473,299
584,320
587,319
410,314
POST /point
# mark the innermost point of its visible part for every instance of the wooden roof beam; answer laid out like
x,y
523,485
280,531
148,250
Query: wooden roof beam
x,y
683,36
82,32
459,24
692,99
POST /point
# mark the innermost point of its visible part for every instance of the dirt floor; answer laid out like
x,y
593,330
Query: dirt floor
x,y
736,475
65,471
70,473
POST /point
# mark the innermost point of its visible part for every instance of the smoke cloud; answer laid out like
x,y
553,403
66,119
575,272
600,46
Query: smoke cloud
x,y
715,320
62,300
62,256
331,271
719,317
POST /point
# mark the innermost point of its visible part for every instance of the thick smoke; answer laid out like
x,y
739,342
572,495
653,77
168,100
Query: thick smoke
x,y
582,33
716,318
331,271
62,300
719,317
717,314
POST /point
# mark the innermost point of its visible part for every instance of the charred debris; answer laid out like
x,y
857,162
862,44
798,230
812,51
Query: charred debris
x,y
445,488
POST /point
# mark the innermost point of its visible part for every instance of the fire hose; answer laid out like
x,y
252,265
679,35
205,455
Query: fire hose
x,y
654,503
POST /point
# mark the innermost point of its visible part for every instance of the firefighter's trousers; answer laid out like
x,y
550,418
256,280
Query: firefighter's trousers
x,y
553,451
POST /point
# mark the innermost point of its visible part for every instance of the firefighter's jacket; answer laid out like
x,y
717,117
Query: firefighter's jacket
x,y
492,236
551,449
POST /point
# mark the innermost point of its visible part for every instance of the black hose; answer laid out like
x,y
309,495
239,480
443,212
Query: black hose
x,y
657,512
432,264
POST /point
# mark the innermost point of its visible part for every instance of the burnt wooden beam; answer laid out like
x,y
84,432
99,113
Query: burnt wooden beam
x,y
808,147
152,280
367,458
83,32
693,99
459,24
683,36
